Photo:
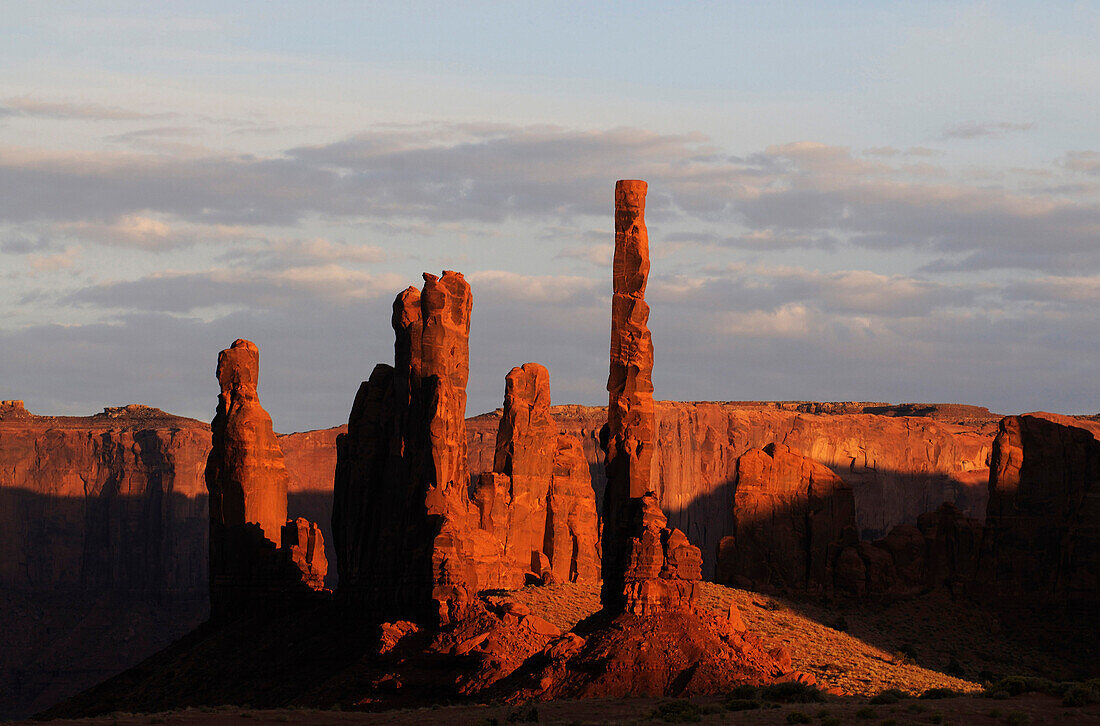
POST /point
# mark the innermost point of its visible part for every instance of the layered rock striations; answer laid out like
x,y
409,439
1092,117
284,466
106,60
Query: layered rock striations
x,y
246,477
401,509
898,467
538,502
104,504
1043,521
647,567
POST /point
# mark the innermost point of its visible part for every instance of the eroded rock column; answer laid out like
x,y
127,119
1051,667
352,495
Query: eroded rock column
x,y
538,502
646,566
247,479
401,510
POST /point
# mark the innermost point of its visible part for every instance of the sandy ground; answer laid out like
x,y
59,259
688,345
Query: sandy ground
x,y
965,710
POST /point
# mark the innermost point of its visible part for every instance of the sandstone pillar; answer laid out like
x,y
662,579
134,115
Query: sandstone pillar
x,y
646,566
401,509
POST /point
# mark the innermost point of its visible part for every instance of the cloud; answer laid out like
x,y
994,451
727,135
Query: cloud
x,y
512,287
282,253
1080,289
1087,162
26,106
600,255
421,177
187,292
989,129
50,263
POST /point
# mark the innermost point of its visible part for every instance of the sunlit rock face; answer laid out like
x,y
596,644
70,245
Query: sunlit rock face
x,y
647,567
790,516
538,502
247,481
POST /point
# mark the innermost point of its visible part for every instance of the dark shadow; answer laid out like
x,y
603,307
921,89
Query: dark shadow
x,y
90,586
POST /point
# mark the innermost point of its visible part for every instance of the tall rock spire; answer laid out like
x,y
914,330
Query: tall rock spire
x,y
647,567
401,508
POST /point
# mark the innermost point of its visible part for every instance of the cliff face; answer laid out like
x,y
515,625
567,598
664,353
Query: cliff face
x,y
112,502
1043,526
898,467
116,502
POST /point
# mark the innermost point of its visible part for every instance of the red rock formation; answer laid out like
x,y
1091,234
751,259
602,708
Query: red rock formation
x,y
898,467
646,567
525,449
303,542
247,481
538,501
245,473
1043,526
790,514
402,520
572,541
940,551
104,504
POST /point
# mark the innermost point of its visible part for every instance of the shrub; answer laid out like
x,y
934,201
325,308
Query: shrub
x,y
744,691
955,668
866,712
1016,718
1081,694
830,721
938,693
679,711
890,695
741,704
792,692
798,717
1017,685
524,715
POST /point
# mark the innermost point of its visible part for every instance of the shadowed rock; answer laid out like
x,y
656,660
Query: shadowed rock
x,y
1043,522
401,511
790,516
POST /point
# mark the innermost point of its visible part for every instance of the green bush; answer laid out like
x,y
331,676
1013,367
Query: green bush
x,y
798,717
890,695
792,692
938,693
1017,718
830,721
866,712
679,711
955,668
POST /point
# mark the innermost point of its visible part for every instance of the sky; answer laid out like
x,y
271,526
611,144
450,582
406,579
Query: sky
x,y
847,201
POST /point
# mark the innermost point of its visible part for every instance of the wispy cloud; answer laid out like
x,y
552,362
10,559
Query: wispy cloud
x,y
988,129
28,106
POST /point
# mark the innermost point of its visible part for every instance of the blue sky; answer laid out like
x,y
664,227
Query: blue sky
x,y
894,201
